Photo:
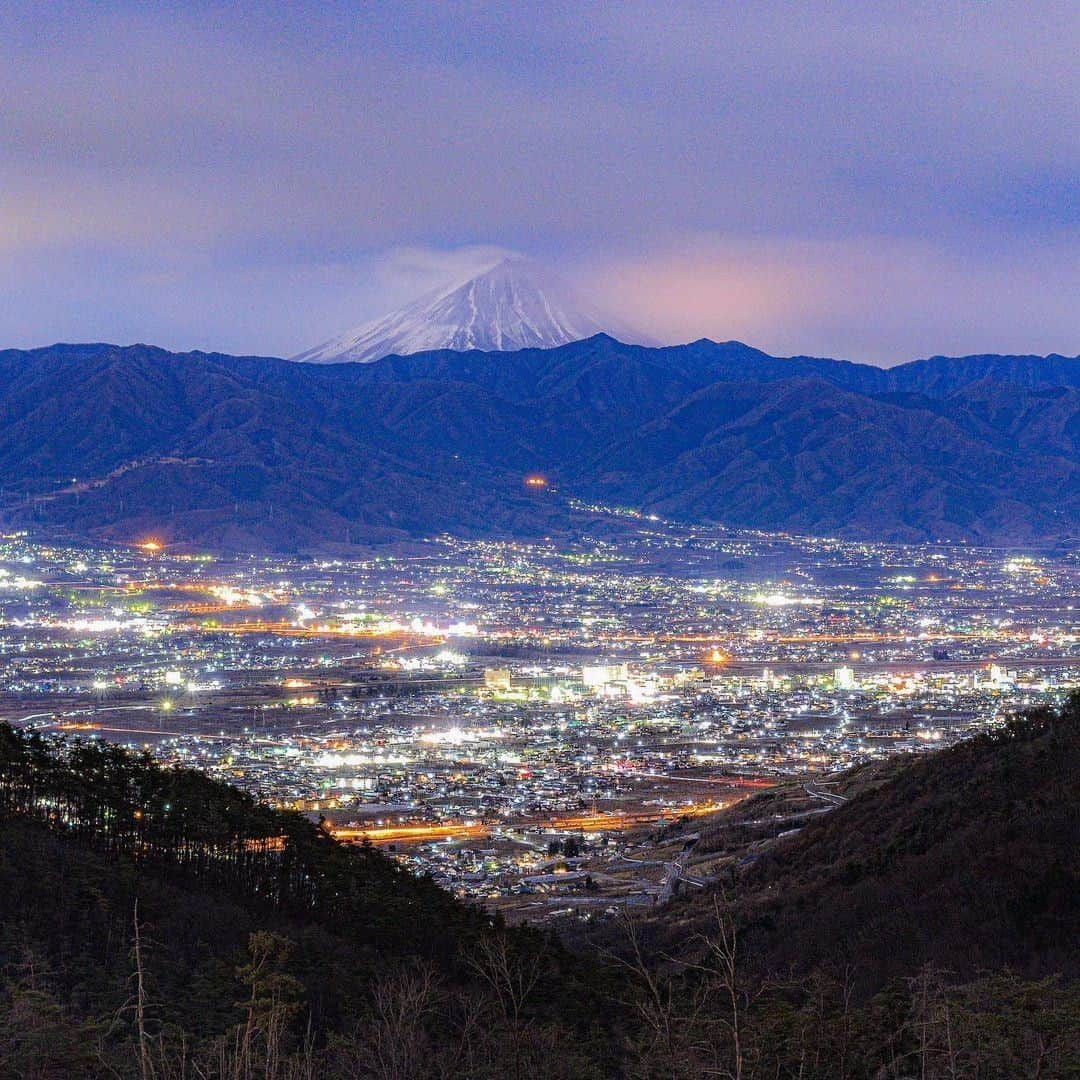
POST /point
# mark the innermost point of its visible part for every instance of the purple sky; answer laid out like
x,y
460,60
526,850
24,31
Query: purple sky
x,y
867,180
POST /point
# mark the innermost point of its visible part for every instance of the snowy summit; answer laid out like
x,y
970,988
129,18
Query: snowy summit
x,y
510,306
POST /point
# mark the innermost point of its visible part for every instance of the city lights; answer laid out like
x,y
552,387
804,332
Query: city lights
x,y
472,702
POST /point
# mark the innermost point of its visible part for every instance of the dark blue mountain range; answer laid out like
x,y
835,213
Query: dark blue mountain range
x,y
260,453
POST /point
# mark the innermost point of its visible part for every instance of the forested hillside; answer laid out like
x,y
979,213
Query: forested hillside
x,y
964,859
154,923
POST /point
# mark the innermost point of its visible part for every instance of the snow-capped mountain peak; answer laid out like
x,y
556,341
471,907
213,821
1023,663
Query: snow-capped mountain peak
x,y
511,306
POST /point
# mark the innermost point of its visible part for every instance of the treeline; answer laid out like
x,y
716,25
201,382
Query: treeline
x,y
155,922
184,988
182,822
158,925
110,969
716,1015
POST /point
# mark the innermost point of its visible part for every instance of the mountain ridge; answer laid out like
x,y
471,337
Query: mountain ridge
x,y
252,452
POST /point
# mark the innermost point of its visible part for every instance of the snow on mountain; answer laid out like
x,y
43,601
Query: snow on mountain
x,y
510,306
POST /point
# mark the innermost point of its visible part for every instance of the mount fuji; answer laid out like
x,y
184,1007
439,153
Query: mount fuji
x,y
511,306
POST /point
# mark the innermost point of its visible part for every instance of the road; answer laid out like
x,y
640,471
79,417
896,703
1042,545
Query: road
x,y
453,830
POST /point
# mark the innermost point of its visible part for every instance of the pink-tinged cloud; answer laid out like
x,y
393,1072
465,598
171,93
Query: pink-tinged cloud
x,y
875,298
886,179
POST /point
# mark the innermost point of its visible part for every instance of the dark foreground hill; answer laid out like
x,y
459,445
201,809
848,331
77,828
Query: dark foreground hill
x,y
965,859
259,453
947,888
154,923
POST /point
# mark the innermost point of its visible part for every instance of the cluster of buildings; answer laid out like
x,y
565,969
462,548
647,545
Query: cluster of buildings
x,y
477,705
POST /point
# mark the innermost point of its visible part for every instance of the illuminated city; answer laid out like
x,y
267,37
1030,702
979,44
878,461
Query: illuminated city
x,y
471,706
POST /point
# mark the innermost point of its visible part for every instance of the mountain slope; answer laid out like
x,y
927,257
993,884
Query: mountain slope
x,y
940,376
964,859
511,306
243,452
261,940
804,455
154,922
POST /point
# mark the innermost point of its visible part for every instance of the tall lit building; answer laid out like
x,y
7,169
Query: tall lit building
x,y
597,676
844,678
